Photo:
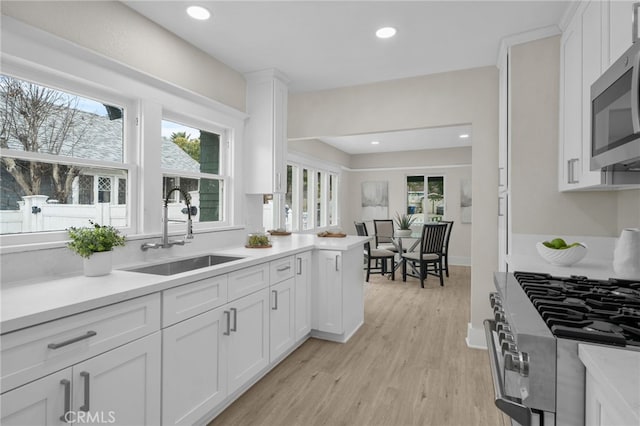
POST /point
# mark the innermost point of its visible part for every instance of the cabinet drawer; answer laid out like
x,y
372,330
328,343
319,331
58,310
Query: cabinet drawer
x,y
281,269
248,280
36,351
189,300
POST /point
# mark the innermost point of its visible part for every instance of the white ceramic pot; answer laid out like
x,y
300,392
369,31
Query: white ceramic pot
x,y
98,264
403,232
626,256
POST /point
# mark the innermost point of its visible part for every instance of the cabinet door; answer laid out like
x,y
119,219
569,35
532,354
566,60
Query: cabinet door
x,y
328,292
248,342
280,95
282,325
571,107
194,378
43,402
122,386
620,28
592,67
303,295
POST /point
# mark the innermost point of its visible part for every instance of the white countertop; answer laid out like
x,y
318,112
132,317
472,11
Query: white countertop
x,y
24,304
588,267
618,370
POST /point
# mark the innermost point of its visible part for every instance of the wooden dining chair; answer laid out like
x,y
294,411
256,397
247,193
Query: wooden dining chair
x,y
445,249
380,257
429,253
383,229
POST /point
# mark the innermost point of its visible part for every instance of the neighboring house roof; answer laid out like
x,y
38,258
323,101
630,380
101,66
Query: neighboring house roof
x,y
97,144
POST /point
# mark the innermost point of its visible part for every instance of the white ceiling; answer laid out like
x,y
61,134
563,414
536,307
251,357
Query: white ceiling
x,y
327,44
403,140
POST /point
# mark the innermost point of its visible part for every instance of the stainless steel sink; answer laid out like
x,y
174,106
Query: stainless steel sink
x,y
184,265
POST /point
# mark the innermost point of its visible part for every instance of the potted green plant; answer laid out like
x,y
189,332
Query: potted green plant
x,y
95,245
404,222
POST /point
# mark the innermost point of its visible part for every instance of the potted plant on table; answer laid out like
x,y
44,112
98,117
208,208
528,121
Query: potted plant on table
x,y
95,245
404,222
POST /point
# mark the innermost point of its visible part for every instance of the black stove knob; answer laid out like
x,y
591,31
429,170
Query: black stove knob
x,y
504,336
494,299
508,347
517,361
503,326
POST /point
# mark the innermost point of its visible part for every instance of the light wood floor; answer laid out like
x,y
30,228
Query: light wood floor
x,y
407,365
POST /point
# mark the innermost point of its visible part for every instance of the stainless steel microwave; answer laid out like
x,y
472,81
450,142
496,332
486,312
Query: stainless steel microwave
x,y
615,115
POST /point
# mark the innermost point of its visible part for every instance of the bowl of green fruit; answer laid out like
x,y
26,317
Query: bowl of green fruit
x,y
558,252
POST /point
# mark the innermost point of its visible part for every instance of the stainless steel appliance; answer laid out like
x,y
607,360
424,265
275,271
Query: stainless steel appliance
x,y
615,116
539,320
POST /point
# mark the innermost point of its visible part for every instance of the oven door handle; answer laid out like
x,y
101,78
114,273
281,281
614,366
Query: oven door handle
x,y
508,405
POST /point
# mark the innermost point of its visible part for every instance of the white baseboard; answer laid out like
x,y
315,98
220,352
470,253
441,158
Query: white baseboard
x,y
475,338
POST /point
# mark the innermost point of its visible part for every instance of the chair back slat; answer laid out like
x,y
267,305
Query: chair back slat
x,y
447,236
433,236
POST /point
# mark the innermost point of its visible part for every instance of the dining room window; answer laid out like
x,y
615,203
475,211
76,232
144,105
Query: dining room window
x,y
425,197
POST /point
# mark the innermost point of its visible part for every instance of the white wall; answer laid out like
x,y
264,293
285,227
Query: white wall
x,y
116,31
537,206
461,97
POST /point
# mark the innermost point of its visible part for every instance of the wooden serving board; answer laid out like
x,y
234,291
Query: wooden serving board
x,y
273,232
330,235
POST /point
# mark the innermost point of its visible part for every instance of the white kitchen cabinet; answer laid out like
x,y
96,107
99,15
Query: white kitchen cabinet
x,y
612,381
248,341
595,36
328,295
504,158
282,323
266,133
38,403
620,28
303,295
194,362
338,306
121,387
123,384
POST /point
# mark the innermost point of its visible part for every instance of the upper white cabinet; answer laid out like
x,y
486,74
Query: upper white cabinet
x,y
597,34
266,136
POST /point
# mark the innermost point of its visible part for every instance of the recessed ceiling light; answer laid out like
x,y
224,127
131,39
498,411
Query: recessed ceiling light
x,y
198,12
386,32
464,136
375,142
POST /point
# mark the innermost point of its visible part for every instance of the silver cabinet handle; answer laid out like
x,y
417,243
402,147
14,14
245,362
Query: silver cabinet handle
x,y
337,261
228,315
284,268
85,375
571,164
70,341
235,319
500,183
67,399
275,300
299,266
500,212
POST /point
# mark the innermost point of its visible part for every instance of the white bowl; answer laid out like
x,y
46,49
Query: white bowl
x,y
562,257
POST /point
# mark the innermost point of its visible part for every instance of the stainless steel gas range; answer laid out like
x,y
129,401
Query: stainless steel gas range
x,y
539,320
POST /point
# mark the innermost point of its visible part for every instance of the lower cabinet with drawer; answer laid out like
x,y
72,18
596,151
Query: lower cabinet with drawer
x,y
208,357
109,374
